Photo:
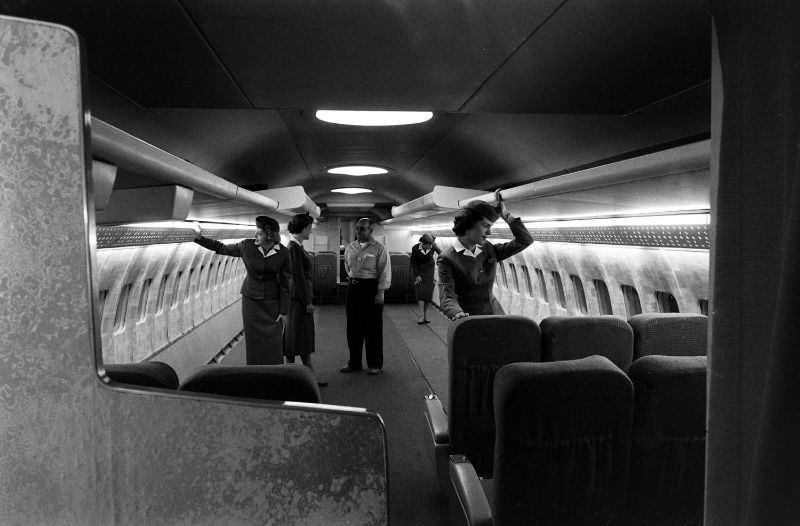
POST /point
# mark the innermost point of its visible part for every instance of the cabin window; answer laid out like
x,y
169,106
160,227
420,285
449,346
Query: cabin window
x,y
542,284
703,304
102,302
198,286
603,298
224,273
176,288
580,295
144,297
528,282
514,277
209,275
162,291
122,308
189,286
220,274
632,304
562,299
666,302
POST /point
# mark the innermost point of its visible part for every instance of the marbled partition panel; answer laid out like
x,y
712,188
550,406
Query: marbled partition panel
x,y
75,451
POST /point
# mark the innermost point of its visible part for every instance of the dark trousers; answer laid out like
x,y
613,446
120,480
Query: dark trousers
x,y
364,323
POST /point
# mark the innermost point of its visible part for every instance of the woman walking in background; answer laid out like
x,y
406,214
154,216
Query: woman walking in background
x,y
300,323
265,290
422,265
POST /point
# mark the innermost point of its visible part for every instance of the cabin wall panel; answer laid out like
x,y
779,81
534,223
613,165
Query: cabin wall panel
x,y
78,451
681,272
141,338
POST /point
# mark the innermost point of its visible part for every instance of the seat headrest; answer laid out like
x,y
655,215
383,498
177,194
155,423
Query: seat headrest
x,y
671,334
592,387
493,339
147,374
293,382
572,337
670,393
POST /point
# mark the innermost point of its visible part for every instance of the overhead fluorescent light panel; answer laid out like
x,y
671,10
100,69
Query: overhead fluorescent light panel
x,y
373,118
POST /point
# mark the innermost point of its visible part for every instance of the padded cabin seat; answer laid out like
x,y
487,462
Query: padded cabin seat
x,y
477,347
562,447
573,337
268,382
147,374
324,276
669,440
400,288
670,334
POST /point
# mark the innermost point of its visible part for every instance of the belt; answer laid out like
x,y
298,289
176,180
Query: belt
x,y
356,281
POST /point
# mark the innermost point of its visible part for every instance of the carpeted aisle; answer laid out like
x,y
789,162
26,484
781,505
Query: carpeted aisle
x,y
397,395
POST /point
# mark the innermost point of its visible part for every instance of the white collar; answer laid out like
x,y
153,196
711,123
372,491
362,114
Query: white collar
x,y
274,250
293,240
423,250
459,247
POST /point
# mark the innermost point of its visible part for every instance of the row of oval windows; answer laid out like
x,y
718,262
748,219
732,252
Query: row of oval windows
x,y
226,270
666,302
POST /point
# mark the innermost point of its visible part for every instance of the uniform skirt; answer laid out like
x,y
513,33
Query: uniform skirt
x,y
263,336
299,330
424,290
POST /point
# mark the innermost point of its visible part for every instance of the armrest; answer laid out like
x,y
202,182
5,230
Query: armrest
x,y
437,420
468,500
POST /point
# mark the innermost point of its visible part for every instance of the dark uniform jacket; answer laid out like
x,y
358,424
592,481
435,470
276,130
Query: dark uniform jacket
x,y
267,278
302,287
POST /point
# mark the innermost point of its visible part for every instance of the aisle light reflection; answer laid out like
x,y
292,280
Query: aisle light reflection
x,y
664,220
655,220
188,224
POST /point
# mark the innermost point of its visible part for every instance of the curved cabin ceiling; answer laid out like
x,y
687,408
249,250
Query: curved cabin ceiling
x,y
521,90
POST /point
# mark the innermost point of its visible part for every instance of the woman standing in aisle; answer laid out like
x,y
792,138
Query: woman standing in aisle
x,y
422,265
265,290
300,323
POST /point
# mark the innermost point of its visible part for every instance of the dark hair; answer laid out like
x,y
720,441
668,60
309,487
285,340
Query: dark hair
x,y
299,222
471,214
268,224
426,238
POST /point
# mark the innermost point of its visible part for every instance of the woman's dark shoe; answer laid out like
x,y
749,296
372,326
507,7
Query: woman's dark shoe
x,y
348,369
421,322
322,383
426,321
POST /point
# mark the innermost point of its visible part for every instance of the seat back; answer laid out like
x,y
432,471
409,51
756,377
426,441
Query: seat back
x,y
477,347
670,334
324,276
268,382
572,337
147,374
563,442
400,288
669,438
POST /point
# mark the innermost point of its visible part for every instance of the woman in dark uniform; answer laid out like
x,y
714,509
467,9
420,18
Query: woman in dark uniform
x,y
467,269
300,323
422,265
265,290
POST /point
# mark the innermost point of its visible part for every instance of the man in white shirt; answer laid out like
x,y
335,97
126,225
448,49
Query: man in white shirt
x,y
370,274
